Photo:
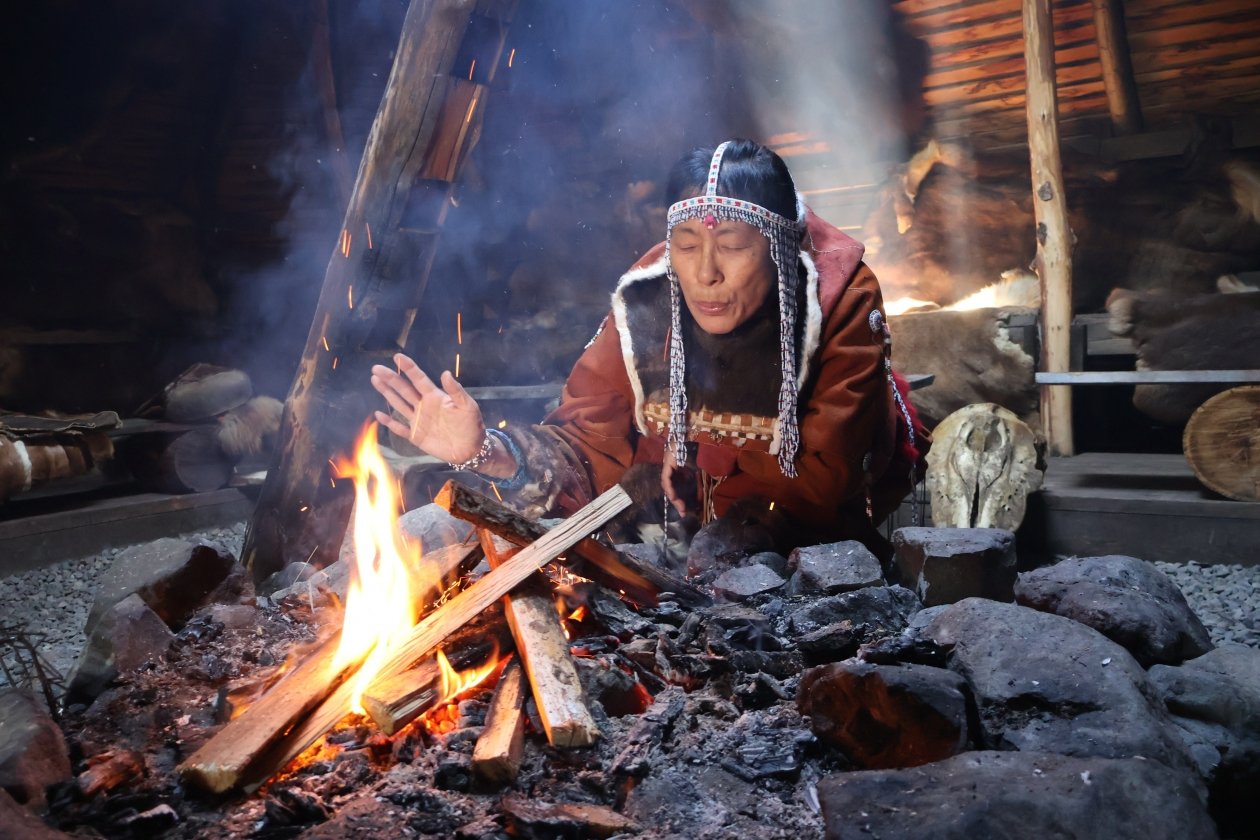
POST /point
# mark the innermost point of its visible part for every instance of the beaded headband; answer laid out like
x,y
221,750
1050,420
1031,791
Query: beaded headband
x,y
784,236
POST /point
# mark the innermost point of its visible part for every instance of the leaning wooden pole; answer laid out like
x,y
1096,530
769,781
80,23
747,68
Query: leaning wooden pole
x,y
424,127
1117,67
1054,258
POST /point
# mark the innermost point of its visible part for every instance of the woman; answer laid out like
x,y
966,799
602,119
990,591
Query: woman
x,y
750,347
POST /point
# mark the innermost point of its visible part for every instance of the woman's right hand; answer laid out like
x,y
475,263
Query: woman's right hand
x,y
444,422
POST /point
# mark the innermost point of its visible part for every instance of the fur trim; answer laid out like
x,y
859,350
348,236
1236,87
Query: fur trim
x,y
250,429
634,275
813,318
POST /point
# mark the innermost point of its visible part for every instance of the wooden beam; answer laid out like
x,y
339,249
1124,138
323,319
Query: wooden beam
x,y
1117,67
497,755
544,651
1148,377
639,582
377,272
1053,262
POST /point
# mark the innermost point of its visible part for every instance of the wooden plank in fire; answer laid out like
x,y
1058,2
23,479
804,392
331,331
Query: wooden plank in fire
x,y
497,755
272,732
640,582
544,650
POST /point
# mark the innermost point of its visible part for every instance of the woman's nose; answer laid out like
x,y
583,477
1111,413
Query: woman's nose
x,y
709,274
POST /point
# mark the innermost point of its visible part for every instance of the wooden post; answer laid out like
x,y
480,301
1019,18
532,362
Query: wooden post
x,y
1054,258
1117,68
379,263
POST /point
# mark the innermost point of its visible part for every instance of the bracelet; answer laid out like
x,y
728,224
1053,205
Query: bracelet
x,y
518,479
480,458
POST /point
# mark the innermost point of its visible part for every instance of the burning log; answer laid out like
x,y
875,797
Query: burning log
x,y
638,581
394,702
497,756
544,650
310,701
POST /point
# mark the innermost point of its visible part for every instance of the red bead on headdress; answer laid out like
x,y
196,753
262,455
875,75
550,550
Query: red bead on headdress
x,y
710,221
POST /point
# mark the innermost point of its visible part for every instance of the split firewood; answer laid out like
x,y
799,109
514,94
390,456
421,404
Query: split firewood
x,y
497,756
240,755
640,582
544,651
396,701
221,763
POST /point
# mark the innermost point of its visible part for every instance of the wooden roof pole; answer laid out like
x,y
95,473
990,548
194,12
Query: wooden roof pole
x,y
1117,68
380,263
1054,256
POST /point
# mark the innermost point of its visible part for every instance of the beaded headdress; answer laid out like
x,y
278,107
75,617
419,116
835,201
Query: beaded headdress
x,y
784,235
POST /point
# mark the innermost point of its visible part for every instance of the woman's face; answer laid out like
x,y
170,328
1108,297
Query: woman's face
x,y
725,272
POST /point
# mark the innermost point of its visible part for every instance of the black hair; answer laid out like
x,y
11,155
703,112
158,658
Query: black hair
x,y
750,171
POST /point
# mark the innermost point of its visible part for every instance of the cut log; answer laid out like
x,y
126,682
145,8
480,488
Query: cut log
x,y
396,701
497,756
109,770
640,582
1222,443
981,468
544,651
189,462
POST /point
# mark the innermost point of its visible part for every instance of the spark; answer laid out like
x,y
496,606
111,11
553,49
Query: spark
x,y
502,424
335,359
511,57
350,296
324,339
459,327
304,508
368,228
471,107
495,488
471,69
457,366
772,506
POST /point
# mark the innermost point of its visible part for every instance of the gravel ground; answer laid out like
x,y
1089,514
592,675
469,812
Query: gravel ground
x,y
53,602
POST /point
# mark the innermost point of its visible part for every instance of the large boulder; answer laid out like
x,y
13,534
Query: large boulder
x,y
174,577
885,716
124,638
1017,795
1215,700
945,565
1044,683
834,568
1126,599
33,752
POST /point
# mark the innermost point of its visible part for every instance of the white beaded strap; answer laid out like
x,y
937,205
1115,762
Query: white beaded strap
x,y
483,455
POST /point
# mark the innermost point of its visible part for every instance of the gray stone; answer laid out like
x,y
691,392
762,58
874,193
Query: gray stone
x,y
746,581
124,638
33,752
1215,701
1127,600
174,577
1044,683
727,541
885,716
1016,795
830,642
433,527
772,560
945,565
234,616
834,568
876,609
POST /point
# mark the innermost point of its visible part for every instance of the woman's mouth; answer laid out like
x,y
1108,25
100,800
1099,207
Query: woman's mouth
x,y
711,307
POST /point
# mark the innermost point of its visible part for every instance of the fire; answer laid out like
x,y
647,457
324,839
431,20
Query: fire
x,y
454,683
380,604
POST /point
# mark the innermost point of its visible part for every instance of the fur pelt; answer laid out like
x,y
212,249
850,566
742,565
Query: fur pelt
x,y
250,429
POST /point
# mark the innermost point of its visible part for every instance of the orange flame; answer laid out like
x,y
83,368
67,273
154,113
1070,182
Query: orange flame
x,y
454,683
380,604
